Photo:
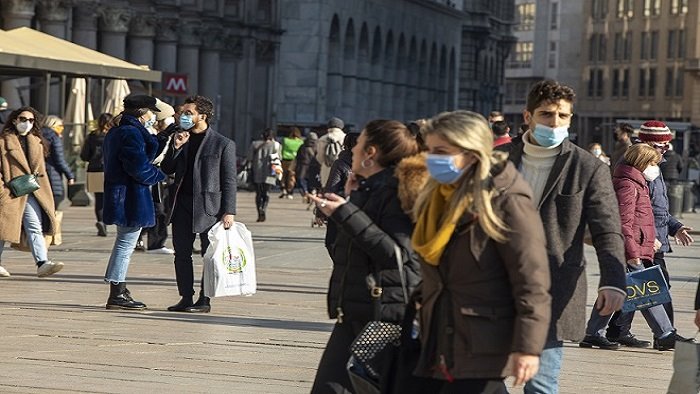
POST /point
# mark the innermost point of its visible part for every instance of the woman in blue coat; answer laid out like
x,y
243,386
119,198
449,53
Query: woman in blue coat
x,y
56,165
128,151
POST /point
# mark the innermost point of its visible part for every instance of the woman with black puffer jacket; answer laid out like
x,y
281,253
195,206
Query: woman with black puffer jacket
x,y
372,229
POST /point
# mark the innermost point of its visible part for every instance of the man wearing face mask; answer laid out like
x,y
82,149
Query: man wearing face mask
x,y
657,135
571,189
128,151
204,164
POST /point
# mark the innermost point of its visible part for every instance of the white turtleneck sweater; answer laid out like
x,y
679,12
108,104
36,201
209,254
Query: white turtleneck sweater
x,y
537,163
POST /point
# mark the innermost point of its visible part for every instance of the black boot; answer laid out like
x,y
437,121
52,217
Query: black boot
x,y
261,215
182,305
201,306
120,298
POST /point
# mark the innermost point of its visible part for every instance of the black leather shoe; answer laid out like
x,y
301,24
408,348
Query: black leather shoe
x,y
201,306
630,340
669,342
101,229
120,298
598,341
182,305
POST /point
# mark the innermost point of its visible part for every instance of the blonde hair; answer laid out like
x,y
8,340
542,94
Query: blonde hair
x,y
52,121
641,156
468,131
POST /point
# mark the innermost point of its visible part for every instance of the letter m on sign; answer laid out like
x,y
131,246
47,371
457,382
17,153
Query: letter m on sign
x,y
175,83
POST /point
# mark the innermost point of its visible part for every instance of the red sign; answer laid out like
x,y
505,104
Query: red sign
x,y
175,83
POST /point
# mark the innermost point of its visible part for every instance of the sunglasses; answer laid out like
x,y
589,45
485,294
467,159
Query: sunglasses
x,y
23,119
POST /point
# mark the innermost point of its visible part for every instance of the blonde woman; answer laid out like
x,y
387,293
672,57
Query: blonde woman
x,y
484,295
56,166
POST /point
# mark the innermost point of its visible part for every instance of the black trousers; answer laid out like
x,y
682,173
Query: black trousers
x,y
158,234
332,375
262,196
183,237
621,323
99,204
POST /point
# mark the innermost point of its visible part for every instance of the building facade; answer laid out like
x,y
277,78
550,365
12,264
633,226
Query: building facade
x,y
227,48
641,61
549,34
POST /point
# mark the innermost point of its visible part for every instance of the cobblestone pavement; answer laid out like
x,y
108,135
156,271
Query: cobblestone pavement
x,y
57,336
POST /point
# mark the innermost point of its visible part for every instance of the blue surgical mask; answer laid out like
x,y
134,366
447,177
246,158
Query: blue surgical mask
x,y
548,137
150,122
186,122
443,169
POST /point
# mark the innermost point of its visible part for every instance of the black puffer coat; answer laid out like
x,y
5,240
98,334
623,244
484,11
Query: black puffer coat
x,y
92,152
369,226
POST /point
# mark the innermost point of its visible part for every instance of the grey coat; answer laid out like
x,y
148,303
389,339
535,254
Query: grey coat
x,y
259,159
578,192
214,180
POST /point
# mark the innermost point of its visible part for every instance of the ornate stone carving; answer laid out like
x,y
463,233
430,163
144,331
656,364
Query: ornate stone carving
x,y
54,10
143,26
190,34
115,20
18,8
212,38
265,51
166,29
233,47
85,14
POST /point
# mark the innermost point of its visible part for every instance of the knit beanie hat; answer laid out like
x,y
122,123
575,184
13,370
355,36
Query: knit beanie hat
x,y
655,131
335,123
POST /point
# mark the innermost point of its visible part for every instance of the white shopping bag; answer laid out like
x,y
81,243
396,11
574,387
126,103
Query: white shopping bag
x,y
229,262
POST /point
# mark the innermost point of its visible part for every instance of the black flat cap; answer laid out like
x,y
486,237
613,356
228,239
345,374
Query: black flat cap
x,y
135,101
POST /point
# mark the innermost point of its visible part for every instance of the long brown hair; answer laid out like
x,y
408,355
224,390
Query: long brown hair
x,y
10,128
392,139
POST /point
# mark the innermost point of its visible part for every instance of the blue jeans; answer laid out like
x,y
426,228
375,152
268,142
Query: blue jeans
x,y
31,222
547,379
121,253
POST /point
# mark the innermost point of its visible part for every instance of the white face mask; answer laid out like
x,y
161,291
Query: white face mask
x,y
651,173
23,128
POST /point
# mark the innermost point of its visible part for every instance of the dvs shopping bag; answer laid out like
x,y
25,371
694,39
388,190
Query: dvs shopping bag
x,y
646,288
229,262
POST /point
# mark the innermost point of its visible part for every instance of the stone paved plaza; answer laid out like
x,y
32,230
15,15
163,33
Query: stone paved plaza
x,y
58,338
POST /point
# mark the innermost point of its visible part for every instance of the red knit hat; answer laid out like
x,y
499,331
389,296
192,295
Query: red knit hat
x,y
655,131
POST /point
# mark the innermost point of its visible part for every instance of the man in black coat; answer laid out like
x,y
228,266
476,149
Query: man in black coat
x,y
204,164
572,189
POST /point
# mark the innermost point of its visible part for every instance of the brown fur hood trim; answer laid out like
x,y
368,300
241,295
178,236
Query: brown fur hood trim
x,y
412,173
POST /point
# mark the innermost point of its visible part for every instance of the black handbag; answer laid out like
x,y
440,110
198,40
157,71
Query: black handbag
x,y
24,184
371,350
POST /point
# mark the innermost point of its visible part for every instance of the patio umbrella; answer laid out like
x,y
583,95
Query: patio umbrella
x,y
117,89
75,113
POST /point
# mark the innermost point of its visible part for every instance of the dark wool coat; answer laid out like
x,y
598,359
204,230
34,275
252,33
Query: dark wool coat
x,y
578,193
92,152
13,163
56,165
665,223
128,152
635,212
214,178
369,226
672,166
485,299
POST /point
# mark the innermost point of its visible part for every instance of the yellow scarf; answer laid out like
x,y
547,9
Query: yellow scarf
x,y
428,240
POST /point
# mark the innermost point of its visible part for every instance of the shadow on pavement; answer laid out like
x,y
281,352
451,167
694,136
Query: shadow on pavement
x,y
234,321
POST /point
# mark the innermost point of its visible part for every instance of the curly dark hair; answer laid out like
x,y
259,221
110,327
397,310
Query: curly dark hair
x,y
9,127
548,91
204,106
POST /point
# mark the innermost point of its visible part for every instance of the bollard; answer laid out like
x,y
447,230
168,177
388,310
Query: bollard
x,y
675,199
688,197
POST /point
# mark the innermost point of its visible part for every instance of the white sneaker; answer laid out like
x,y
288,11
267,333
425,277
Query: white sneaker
x,y
48,268
162,250
3,272
290,197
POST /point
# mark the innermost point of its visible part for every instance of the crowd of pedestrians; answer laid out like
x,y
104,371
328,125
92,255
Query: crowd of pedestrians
x,y
483,232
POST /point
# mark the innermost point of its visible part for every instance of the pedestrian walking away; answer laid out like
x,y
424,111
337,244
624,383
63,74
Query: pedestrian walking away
x,y
129,150
28,210
204,164
56,165
261,155
91,153
290,147
329,147
568,184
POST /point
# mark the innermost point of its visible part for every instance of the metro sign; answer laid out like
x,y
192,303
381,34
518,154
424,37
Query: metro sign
x,y
175,83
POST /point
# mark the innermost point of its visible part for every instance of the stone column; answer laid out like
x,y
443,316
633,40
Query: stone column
x,y
114,24
141,35
166,45
53,18
188,55
16,13
85,23
209,65
227,74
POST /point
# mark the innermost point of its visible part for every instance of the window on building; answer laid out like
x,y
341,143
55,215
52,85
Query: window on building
x,y
602,47
671,45
625,8
521,89
615,83
599,9
644,51
652,7
525,16
647,8
591,83
651,92
670,82
654,45
523,55
593,48
552,58
681,44
618,47
642,83
599,83
554,16
628,46
684,7
625,83
679,82
510,93
675,5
